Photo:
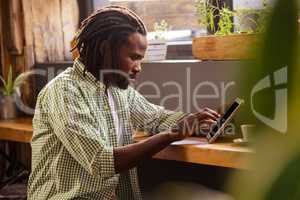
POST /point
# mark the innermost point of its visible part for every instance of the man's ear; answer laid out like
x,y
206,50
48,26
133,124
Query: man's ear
x,y
74,50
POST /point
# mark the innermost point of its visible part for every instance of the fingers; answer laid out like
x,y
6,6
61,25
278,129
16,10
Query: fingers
x,y
194,122
216,114
206,114
207,121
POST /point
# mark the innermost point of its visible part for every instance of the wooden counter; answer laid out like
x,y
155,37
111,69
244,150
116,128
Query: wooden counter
x,y
192,150
18,130
196,150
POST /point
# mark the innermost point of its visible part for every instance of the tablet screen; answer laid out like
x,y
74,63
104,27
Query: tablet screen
x,y
222,120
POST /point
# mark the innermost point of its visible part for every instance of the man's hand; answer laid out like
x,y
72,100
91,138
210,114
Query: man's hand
x,y
195,123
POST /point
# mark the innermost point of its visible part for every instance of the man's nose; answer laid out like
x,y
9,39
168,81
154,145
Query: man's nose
x,y
137,67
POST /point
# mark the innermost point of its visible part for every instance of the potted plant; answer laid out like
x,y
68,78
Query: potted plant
x,y
157,45
8,107
230,39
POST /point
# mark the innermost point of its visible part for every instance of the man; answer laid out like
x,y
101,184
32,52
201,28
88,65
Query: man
x,y
82,146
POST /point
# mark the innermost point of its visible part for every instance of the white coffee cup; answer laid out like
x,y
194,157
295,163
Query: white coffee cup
x,y
248,130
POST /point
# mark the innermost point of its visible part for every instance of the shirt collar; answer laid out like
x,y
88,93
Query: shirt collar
x,y
79,68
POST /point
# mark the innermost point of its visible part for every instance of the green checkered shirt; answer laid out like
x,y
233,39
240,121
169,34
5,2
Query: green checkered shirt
x,y
74,137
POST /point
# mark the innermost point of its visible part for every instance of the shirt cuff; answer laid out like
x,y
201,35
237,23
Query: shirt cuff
x,y
104,163
171,121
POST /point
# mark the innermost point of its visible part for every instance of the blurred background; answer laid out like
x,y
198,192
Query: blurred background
x,y
215,51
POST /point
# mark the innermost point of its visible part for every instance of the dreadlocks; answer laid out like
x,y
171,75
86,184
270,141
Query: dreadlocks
x,y
100,38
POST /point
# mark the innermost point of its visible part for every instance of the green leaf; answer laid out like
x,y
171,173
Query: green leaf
x,y
9,86
275,171
287,183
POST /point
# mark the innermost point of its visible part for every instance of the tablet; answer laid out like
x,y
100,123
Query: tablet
x,y
223,121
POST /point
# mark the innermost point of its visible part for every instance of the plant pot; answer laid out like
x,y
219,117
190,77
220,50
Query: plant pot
x,y
229,47
8,109
156,51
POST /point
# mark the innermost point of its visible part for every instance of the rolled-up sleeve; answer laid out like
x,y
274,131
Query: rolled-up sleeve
x,y
73,124
149,117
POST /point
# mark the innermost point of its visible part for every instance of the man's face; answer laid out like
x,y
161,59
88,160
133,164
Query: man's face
x,y
131,55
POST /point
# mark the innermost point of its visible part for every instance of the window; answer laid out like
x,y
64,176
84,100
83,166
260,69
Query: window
x,y
179,14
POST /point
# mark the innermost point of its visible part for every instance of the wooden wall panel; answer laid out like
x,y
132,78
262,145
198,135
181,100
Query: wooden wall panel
x,y
16,27
180,14
4,38
47,30
1,40
28,34
49,27
70,21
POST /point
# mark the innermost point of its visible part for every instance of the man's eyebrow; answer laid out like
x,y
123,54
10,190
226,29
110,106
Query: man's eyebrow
x,y
136,55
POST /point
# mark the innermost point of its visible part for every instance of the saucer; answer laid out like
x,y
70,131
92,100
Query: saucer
x,y
240,141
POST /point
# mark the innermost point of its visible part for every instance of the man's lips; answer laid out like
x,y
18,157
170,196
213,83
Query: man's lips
x,y
132,76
